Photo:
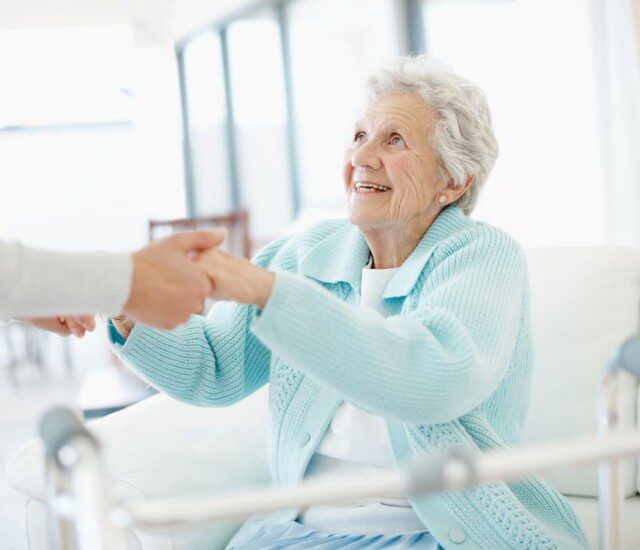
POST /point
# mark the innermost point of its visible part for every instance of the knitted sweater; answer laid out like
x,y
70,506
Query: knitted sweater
x,y
450,366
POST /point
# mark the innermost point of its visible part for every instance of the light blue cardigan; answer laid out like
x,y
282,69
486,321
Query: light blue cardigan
x,y
449,367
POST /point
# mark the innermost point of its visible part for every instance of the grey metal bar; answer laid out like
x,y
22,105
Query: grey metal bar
x,y
624,358
609,471
414,25
74,462
452,470
187,160
232,151
293,156
60,530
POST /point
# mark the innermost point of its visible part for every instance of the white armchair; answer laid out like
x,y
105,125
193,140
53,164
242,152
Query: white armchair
x,y
585,302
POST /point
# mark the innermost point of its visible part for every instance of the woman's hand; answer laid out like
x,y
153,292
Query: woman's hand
x,y
236,279
79,325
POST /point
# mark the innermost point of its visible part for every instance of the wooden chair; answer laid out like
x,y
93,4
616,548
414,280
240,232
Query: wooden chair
x,y
237,223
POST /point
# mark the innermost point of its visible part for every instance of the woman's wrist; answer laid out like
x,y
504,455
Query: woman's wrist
x,y
123,326
267,280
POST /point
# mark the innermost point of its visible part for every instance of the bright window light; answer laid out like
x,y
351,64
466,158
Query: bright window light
x,y
64,76
535,61
259,109
207,113
333,44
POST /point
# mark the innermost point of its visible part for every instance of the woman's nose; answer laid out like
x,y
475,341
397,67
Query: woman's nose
x,y
366,155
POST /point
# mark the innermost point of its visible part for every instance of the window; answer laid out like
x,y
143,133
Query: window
x,y
66,138
207,116
333,45
259,108
534,59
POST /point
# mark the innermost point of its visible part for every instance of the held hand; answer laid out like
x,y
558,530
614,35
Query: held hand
x,y
168,287
236,279
64,326
50,324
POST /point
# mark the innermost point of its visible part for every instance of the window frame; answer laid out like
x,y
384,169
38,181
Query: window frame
x,y
412,28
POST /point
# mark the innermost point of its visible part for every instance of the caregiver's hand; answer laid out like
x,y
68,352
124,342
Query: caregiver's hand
x,y
64,326
51,324
236,279
79,325
168,287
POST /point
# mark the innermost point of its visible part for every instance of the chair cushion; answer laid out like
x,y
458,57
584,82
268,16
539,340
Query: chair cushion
x,y
160,447
585,302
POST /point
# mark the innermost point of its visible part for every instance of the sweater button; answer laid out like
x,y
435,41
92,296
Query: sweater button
x,y
305,439
457,536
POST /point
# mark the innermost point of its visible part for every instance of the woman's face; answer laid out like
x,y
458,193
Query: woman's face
x,y
391,150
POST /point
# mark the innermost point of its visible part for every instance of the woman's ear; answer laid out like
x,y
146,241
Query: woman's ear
x,y
456,192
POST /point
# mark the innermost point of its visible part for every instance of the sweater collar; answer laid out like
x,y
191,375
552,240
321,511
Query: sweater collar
x,y
341,256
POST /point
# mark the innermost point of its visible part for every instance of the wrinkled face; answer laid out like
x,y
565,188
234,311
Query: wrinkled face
x,y
391,172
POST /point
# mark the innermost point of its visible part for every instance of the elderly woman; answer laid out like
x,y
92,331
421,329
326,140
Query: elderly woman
x,y
398,333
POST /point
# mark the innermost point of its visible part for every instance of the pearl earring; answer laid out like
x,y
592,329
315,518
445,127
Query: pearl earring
x,y
442,199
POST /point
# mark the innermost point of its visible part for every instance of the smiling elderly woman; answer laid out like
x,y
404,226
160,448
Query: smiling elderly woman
x,y
400,332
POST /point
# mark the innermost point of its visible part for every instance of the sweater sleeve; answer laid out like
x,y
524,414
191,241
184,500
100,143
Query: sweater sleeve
x,y
212,361
40,283
430,366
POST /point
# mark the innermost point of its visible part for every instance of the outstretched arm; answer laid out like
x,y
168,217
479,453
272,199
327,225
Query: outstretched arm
x,y
433,365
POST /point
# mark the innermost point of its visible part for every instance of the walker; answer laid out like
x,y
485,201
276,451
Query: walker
x,y
82,515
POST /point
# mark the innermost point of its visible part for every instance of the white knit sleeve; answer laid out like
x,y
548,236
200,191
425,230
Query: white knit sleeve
x,y
40,283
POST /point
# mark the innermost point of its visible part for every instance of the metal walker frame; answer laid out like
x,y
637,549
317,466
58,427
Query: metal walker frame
x,y
82,515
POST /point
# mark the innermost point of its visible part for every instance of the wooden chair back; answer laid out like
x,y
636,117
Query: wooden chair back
x,y
237,223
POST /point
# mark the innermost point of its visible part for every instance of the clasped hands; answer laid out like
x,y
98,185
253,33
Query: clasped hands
x,y
232,278
171,279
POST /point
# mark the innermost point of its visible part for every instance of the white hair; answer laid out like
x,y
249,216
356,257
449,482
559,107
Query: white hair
x,y
462,136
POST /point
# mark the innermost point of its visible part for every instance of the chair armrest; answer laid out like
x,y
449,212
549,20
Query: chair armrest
x,y
161,447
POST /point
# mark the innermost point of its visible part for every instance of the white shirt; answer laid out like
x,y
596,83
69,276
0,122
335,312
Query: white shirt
x,y
356,441
41,283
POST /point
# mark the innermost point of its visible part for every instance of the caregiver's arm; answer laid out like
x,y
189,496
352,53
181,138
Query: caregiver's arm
x,y
432,365
159,284
38,283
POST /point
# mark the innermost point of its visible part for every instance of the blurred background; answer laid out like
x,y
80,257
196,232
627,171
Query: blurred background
x,y
121,120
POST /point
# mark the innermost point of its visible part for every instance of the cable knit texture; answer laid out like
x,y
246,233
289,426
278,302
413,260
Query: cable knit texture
x,y
450,366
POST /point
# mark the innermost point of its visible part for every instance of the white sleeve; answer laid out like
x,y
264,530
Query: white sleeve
x,y
40,283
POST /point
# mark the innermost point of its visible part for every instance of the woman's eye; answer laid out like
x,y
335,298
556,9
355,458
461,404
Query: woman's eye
x,y
397,140
359,136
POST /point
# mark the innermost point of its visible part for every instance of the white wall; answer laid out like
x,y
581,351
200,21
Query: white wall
x,y
184,16
636,10
70,188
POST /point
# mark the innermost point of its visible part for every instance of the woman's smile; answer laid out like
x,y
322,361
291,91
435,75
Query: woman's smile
x,y
369,188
